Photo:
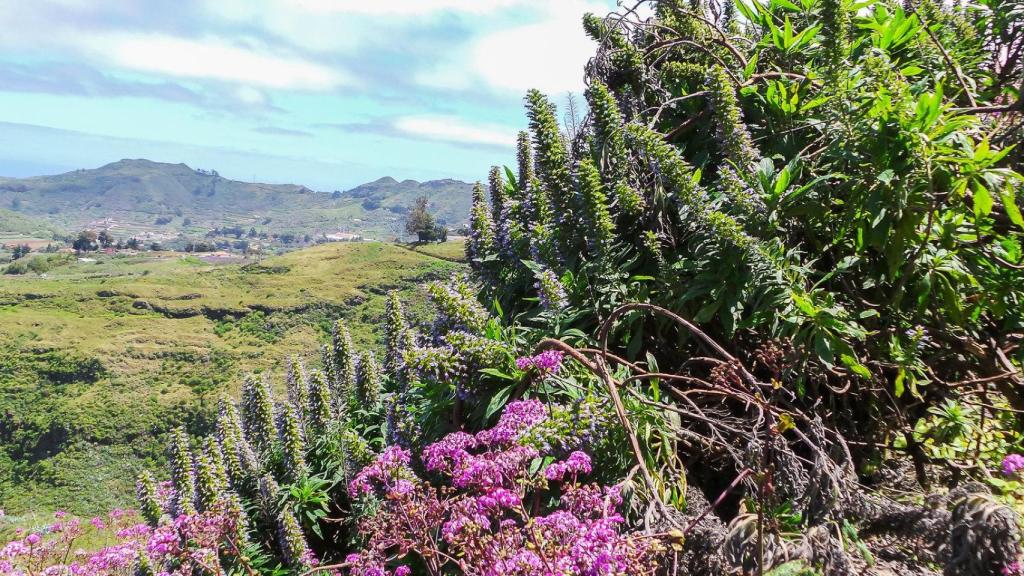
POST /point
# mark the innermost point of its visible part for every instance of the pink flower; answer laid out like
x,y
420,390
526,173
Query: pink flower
x,y
547,362
1012,463
577,463
403,571
33,539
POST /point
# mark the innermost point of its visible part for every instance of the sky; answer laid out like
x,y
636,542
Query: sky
x,y
325,93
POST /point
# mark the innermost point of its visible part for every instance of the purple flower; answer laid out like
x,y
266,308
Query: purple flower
x,y
547,362
33,539
1012,463
1014,569
577,463
403,571
551,292
514,422
384,471
449,452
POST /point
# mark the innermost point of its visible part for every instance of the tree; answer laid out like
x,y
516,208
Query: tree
x,y
86,241
20,251
105,239
419,222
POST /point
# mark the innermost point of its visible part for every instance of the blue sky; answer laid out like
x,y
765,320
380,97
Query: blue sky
x,y
327,93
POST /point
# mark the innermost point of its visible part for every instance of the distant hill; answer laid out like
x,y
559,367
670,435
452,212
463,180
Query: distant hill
x,y
142,197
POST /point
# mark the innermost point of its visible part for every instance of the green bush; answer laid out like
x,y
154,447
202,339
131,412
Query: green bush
x,y
837,187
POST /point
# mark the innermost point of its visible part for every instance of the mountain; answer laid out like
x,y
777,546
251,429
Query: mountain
x,y
155,199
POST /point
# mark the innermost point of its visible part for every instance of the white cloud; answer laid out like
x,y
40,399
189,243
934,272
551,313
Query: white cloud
x,y
404,7
251,96
548,54
340,26
217,60
455,130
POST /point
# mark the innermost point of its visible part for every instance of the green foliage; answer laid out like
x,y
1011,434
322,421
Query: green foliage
x,y
839,178
419,222
255,325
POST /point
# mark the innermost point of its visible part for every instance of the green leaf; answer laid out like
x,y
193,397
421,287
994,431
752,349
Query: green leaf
x,y
855,366
982,201
1009,200
899,389
498,401
805,305
824,349
496,373
783,180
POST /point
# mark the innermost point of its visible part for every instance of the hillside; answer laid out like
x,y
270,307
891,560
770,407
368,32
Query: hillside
x,y
14,225
159,200
99,359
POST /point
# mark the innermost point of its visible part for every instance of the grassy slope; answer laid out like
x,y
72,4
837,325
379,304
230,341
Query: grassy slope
x,y
98,360
454,250
16,227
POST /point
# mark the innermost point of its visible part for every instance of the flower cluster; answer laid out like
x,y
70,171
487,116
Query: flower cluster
x,y
458,308
576,463
479,520
552,158
481,229
295,383
189,543
343,355
390,470
600,228
258,414
1012,464
547,362
368,380
551,292
395,327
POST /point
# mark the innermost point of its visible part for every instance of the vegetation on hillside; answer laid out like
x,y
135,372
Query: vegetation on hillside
x,y
758,314
98,360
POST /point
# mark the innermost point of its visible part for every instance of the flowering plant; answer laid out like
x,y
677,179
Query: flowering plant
x,y
187,544
488,515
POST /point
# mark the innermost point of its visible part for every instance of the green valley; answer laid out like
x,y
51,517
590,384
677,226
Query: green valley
x,y
100,358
